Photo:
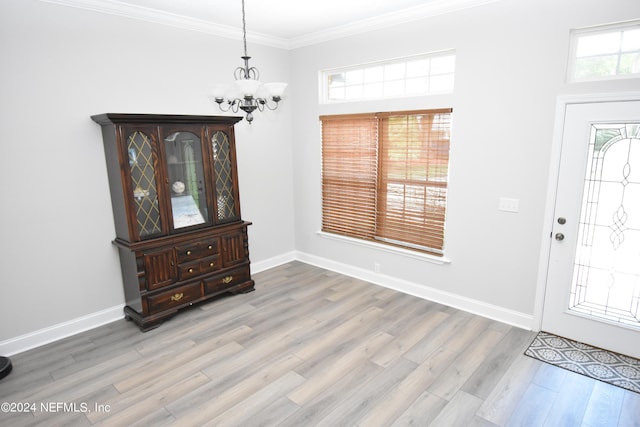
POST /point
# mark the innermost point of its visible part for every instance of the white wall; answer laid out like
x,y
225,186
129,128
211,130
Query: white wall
x,y
61,65
510,67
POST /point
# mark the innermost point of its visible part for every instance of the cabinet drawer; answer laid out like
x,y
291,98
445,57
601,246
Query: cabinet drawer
x,y
227,280
174,298
195,268
193,251
209,265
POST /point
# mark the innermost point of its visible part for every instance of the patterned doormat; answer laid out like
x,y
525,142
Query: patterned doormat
x,y
612,368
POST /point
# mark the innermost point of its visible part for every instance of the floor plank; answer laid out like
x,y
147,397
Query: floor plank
x,y
604,405
309,347
505,396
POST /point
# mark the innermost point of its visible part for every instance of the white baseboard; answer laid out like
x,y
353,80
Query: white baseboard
x,y
75,326
61,330
501,314
93,320
259,266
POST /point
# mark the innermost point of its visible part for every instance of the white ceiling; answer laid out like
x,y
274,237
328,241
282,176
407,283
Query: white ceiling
x,y
281,23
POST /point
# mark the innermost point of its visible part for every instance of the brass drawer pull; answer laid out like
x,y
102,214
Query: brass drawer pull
x,y
211,264
190,270
188,252
227,279
210,247
177,297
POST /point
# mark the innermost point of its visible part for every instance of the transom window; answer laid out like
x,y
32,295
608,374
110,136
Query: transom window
x,y
605,52
411,76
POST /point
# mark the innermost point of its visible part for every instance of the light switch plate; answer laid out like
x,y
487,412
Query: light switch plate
x,y
509,205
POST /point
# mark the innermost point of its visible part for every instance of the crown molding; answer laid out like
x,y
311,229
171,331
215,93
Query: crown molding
x,y
403,16
118,8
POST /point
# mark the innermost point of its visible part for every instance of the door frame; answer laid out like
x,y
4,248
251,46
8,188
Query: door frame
x,y
562,102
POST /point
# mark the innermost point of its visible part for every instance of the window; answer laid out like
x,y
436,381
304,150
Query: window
x,y
417,75
605,52
384,177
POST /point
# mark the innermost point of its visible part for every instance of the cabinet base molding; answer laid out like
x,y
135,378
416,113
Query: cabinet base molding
x,y
147,323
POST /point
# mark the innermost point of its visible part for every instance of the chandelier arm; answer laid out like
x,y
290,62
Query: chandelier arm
x,y
254,73
240,73
246,72
224,105
270,106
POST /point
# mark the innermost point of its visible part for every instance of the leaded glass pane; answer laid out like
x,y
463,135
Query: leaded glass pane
x,y
606,278
225,202
143,181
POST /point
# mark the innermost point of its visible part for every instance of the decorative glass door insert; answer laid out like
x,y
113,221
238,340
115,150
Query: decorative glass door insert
x,y
145,196
183,152
225,202
606,273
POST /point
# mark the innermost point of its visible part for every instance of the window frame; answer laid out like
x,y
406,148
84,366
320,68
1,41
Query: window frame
x,y
385,225
577,34
325,74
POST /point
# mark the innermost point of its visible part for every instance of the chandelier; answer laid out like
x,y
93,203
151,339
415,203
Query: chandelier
x,y
249,94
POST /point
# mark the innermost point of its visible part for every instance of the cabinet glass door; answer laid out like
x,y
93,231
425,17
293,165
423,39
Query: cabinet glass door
x,y
185,171
143,183
225,195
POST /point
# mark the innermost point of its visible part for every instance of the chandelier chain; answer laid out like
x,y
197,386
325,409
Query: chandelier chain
x,y
244,30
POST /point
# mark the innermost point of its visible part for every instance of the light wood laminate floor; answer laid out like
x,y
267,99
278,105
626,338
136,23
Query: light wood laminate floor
x,y
308,348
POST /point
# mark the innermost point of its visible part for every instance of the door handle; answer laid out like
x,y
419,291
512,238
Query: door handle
x,y
559,237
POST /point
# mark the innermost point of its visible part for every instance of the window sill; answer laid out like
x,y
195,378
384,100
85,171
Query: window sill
x,y
387,248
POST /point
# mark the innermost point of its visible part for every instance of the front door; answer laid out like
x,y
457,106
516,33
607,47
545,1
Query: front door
x,y
593,279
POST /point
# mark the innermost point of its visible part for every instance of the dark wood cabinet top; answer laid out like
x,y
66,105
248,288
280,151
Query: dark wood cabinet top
x,y
116,118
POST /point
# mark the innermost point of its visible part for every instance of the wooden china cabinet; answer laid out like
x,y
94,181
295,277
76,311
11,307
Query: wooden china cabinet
x,y
176,207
